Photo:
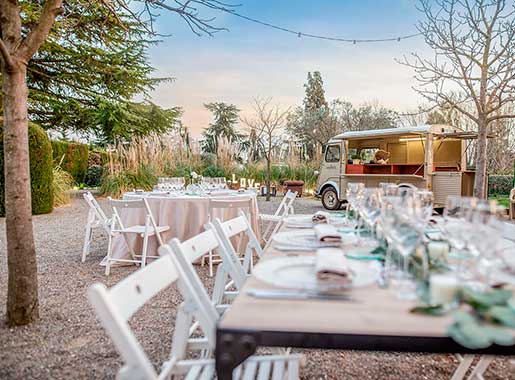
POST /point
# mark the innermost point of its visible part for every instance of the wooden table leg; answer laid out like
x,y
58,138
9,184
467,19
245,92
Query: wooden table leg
x,y
231,350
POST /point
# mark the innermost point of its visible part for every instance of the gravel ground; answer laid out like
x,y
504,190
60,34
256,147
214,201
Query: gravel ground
x,y
68,343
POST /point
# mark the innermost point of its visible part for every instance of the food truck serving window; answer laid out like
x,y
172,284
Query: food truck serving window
x,y
332,153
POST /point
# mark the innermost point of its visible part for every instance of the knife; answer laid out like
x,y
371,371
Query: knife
x,y
295,295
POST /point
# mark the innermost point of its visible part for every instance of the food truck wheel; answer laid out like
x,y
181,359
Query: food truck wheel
x,y
330,199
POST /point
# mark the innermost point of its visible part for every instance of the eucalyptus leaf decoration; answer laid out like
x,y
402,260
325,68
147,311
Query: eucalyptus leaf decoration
x,y
489,319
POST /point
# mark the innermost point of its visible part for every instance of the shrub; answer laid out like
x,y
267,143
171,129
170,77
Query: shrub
x,y
74,158
62,184
41,175
500,184
94,177
97,157
213,171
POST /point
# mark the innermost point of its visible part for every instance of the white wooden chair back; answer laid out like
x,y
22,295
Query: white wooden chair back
x,y
115,306
96,211
244,204
120,204
190,285
238,226
286,205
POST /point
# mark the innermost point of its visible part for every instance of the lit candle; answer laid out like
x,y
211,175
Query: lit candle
x,y
443,289
438,250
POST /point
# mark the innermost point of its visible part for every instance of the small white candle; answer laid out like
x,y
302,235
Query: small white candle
x,y
443,289
438,249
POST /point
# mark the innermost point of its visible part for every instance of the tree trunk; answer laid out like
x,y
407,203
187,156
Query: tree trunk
x,y
22,294
481,159
268,175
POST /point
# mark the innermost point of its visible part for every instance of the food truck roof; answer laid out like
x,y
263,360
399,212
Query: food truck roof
x,y
439,129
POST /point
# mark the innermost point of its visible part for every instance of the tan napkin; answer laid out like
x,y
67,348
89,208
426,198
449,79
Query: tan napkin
x,y
332,266
327,233
321,217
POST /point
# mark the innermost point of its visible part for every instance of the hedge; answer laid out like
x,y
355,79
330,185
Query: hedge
x,y
500,184
75,159
41,171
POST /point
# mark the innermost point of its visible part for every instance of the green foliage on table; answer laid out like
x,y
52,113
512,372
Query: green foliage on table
x,y
41,171
72,157
483,319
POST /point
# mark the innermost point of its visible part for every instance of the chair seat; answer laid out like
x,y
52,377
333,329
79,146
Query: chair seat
x,y
201,372
141,230
269,367
261,367
270,218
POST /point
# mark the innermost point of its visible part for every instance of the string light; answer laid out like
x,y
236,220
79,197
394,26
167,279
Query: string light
x,y
320,37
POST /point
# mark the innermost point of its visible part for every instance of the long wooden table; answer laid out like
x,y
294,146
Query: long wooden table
x,y
374,321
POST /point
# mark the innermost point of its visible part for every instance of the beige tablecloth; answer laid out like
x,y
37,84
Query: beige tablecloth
x,y
185,215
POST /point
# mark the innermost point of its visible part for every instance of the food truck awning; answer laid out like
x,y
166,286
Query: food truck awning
x,y
401,131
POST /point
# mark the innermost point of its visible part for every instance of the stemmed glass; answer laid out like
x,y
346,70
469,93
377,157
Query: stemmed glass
x,y
371,209
354,194
406,231
484,238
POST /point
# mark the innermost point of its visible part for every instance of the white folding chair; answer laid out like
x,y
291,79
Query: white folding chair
x,y
96,218
115,306
150,228
243,204
231,271
201,309
274,221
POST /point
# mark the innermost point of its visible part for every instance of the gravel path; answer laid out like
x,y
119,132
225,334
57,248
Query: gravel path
x,y
68,343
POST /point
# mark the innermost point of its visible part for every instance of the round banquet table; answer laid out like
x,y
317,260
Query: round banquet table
x,y
186,216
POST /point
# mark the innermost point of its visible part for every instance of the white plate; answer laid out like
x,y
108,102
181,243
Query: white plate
x,y
305,238
306,221
299,273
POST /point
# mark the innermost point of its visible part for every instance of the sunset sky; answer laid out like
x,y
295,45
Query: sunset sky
x,y
250,59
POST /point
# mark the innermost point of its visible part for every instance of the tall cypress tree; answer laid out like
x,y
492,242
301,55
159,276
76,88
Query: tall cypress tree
x,y
314,100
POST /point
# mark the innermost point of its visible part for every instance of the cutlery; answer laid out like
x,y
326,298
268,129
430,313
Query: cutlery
x,y
293,248
295,295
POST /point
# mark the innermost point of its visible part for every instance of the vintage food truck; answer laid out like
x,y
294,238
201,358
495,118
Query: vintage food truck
x,y
428,156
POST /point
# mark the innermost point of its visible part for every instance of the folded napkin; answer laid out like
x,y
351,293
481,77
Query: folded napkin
x,y
321,217
327,233
332,267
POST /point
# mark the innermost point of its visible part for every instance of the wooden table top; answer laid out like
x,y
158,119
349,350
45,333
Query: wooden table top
x,y
374,311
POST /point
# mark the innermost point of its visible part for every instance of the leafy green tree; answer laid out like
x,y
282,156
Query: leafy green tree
x,y
123,120
225,119
22,35
314,99
91,60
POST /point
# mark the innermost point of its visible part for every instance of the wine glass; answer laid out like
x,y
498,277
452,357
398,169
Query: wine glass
x,y
406,234
371,208
354,193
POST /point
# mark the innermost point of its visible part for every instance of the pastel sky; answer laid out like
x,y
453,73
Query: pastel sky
x,y
250,60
